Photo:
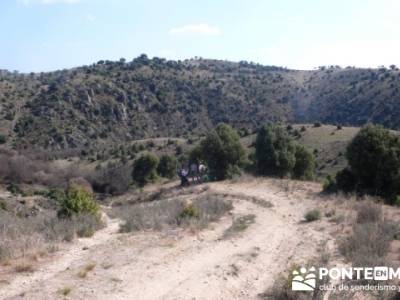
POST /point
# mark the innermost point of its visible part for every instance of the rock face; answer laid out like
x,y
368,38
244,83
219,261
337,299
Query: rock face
x,y
113,102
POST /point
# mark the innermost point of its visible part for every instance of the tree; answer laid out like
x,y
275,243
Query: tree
x,y
346,181
374,162
144,169
167,166
275,151
222,152
304,167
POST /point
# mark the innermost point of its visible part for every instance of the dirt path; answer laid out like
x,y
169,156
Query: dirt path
x,y
188,265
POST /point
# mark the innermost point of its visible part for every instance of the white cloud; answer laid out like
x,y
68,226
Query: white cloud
x,y
198,29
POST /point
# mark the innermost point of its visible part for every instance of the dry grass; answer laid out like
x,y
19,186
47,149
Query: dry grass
x,y
253,199
37,235
282,286
88,268
239,224
171,213
65,291
24,267
371,236
369,212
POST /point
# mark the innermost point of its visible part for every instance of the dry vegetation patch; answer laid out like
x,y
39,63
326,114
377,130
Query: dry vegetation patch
x,y
171,213
22,237
239,224
369,242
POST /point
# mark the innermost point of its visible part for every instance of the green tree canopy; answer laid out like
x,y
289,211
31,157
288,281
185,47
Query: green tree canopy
x,y
144,169
374,162
275,151
304,167
222,152
167,166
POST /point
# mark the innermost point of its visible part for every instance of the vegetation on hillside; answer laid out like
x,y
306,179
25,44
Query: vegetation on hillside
x,y
88,107
278,155
374,164
144,169
222,152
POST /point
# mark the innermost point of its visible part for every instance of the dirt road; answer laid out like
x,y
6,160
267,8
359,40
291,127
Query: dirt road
x,y
184,264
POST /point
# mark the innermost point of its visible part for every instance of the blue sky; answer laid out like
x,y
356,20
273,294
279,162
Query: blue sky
x,y
43,35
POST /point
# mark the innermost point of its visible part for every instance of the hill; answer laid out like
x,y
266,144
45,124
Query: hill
x,y
116,102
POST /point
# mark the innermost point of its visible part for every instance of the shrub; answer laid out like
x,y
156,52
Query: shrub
x,y
14,188
65,291
167,166
369,212
345,180
329,185
3,139
317,124
189,211
113,179
78,201
370,240
222,151
313,215
369,244
304,167
397,201
275,151
374,161
65,229
144,169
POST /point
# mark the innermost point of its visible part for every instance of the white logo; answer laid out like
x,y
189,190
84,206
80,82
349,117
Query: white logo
x,y
304,280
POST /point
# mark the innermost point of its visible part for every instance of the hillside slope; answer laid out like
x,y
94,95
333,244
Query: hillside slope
x,y
121,101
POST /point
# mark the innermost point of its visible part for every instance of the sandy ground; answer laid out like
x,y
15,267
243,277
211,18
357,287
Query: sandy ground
x,y
187,264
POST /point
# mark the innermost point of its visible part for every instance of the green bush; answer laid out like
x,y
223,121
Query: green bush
x,y
14,188
3,205
78,201
397,201
144,169
374,163
3,139
304,167
345,180
167,166
222,152
329,185
275,151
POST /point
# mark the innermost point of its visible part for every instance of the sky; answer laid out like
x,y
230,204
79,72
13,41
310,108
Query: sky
x,y
45,35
